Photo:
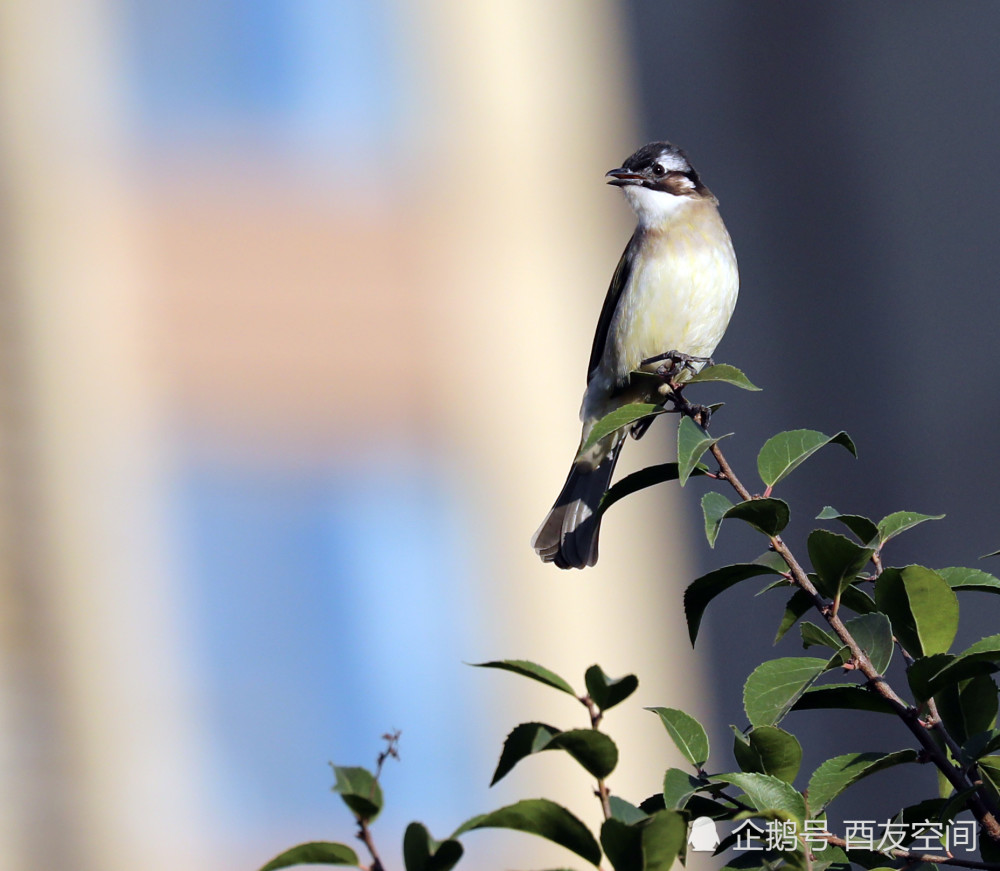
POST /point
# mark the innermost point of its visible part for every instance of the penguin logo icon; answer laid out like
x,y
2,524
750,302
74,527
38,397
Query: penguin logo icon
x,y
703,838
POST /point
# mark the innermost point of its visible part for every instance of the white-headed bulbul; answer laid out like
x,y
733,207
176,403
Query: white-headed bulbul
x,y
674,291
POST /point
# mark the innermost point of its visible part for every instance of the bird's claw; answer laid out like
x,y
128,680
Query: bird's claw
x,y
675,362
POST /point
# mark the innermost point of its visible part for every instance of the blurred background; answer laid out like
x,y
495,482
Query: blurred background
x,y
296,298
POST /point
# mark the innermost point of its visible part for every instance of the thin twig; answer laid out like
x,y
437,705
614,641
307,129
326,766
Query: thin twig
x,y
932,858
602,791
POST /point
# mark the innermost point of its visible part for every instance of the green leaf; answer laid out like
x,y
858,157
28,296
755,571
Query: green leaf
x,y
594,750
921,606
836,559
769,795
797,605
968,708
621,417
874,636
785,452
813,636
857,600
774,687
422,853
678,787
835,775
861,526
893,524
970,579
687,733
314,853
725,373
714,506
692,442
529,669
539,816
769,516
637,481
359,790
982,657
652,843
920,672
707,587
625,811
769,750
847,696
606,692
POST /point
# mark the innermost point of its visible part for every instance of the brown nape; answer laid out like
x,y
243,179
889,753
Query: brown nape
x,y
680,184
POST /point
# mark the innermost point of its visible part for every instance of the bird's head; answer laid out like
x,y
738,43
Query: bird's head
x,y
657,180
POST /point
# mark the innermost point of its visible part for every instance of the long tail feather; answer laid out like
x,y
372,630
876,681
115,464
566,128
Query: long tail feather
x,y
568,535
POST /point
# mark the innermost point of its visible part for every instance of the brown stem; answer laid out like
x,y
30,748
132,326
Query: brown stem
x,y
365,836
932,858
602,791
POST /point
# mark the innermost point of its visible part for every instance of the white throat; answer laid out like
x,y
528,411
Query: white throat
x,y
653,208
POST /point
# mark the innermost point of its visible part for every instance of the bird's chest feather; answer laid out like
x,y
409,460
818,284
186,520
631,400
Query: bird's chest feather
x,y
679,297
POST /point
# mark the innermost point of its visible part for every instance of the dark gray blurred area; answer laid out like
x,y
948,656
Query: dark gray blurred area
x,y
854,148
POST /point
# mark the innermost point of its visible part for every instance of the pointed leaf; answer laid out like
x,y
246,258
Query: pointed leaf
x,y
523,740
797,605
836,559
640,480
774,687
770,750
687,733
861,526
874,636
422,853
893,524
783,453
835,775
968,708
970,579
921,606
843,696
769,795
707,587
606,692
359,790
625,811
594,750
529,669
813,636
857,600
678,787
714,506
652,843
314,853
725,373
769,516
621,417
982,657
692,442
539,816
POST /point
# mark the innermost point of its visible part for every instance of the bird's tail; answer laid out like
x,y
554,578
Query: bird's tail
x,y
568,535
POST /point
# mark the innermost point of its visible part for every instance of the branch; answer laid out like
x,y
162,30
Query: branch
x,y
602,791
877,683
932,858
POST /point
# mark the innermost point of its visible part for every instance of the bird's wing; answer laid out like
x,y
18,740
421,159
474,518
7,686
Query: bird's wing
x,y
619,281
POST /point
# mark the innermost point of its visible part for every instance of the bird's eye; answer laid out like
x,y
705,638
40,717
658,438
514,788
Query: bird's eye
x,y
658,169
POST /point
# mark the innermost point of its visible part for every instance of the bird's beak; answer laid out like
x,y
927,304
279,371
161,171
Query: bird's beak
x,y
622,177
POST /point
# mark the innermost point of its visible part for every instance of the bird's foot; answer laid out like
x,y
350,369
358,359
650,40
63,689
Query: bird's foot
x,y
674,362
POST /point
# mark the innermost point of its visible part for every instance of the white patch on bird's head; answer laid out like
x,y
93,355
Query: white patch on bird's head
x,y
653,207
671,161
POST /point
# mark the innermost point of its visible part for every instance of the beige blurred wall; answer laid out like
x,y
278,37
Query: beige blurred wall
x,y
230,294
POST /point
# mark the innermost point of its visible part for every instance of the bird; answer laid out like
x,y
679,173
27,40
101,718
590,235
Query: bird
x,y
671,296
